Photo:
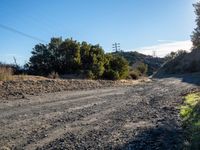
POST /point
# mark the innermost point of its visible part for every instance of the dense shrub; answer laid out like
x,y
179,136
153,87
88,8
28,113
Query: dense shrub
x,y
89,74
154,63
134,75
194,66
111,75
72,57
116,68
142,68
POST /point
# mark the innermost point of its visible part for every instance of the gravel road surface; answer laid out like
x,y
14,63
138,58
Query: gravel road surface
x,y
143,116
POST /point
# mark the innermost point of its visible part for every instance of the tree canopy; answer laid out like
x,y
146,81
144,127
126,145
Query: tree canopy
x,y
196,33
72,57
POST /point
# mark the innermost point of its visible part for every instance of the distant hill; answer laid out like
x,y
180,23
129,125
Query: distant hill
x,y
184,63
134,57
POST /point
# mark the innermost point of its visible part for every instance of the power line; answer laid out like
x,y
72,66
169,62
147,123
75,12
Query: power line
x,y
21,33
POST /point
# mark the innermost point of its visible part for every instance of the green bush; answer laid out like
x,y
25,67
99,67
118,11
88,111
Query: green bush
x,y
119,65
111,75
72,57
194,66
142,68
89,74
134,75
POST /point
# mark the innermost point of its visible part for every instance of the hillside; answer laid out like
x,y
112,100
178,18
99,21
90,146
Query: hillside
x,y
184,63
134,57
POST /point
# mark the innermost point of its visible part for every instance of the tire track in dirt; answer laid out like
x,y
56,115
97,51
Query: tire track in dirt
x,y
118,118
36,107
98,101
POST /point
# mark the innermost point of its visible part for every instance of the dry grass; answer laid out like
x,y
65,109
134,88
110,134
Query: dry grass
x,y
5,73
24,77
53,75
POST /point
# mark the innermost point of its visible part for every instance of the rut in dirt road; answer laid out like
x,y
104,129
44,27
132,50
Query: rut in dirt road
x,y
139,117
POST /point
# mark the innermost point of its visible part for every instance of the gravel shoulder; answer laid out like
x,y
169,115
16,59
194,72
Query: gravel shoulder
x,y
143,116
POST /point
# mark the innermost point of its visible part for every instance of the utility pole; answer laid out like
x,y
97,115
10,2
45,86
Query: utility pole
x,y
154,54
15,61
116,47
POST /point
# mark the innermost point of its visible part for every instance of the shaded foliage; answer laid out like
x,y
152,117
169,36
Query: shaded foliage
x,y
174,55
154,63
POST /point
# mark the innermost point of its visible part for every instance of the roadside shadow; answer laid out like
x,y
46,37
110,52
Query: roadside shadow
x,y
163,137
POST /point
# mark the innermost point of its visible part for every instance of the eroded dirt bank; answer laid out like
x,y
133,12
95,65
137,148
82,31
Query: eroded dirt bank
x,y
135,117
19,89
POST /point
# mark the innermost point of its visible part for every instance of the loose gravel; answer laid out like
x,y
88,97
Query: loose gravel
x,y
19,89
144,116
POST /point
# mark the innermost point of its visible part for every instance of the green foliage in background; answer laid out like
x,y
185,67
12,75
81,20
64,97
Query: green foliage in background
x,y
72,57
116,67
196,33
142,68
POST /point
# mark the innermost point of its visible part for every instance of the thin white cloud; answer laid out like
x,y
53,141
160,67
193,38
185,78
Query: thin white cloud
x,y
165,48
166,41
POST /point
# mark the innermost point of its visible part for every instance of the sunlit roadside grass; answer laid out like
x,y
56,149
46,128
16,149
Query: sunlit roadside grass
x,y
190,113
5,73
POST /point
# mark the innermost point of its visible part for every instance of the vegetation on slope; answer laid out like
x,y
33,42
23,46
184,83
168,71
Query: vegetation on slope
x,y
71,59
153,63
183,62
190,112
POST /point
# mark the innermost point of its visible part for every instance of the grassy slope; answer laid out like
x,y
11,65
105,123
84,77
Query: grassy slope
x,y
190,112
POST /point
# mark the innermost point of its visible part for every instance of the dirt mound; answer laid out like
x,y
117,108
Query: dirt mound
x,y
19,89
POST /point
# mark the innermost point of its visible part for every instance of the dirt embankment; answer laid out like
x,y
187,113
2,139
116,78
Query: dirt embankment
x,y
19,89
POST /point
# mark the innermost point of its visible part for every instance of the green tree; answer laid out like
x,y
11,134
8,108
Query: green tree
x,y
116,68
142,68
85,56
53,47
70,55
96,56
39,61
92,58
196,33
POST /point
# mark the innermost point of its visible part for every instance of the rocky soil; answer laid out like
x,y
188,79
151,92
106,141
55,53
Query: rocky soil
x,y
19,89
144,116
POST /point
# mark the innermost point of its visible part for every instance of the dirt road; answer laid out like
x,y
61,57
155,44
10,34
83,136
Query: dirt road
x,y
138,117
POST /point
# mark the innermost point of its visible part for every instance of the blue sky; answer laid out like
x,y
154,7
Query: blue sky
x,y
142,25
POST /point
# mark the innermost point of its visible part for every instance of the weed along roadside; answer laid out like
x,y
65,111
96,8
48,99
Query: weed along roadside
x,y
190,113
